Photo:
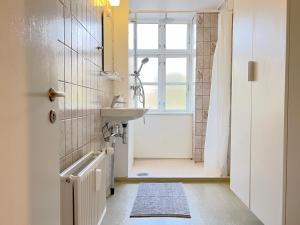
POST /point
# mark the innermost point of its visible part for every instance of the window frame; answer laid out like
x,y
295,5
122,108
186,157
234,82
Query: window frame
x,y
162,54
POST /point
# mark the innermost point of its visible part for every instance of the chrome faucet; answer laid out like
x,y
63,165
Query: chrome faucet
x,y
116,101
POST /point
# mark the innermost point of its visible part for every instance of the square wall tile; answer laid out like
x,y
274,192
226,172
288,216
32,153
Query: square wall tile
x,y
62,164
214,35
199,102
74,100
198,129
206,100
68,65
207,34
68,100
79,70
206,75
200,35
60,26
214,20
199,75
80,132
60,61
68,160
206,89
74,67
204,115
200,20
207,19
84,130
203,129
68,26
62,139
68,127
74,43
80,101
198,116
61,101
74,134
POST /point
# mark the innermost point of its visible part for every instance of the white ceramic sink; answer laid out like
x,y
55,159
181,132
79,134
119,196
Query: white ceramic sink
x,y
122,115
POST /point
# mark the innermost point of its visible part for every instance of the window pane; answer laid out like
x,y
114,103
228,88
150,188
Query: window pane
x,y
176,97
176,69
151,96
131,36
176,36
147,36
149,73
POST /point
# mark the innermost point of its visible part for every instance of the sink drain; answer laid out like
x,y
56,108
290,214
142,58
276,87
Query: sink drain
x,y
142,174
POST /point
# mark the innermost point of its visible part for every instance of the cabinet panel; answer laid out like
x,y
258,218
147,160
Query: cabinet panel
x,y
293,141
241,100
268,110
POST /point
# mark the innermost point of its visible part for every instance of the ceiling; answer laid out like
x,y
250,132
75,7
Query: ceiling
x,y
174,5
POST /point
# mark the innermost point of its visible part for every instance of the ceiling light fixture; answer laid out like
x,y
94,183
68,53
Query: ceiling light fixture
x,y
114,2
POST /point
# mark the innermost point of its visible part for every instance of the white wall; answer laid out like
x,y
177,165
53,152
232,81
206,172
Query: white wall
x,y
163,136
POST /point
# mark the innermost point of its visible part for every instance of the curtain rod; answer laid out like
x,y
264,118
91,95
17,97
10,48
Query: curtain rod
x,y
174,11
223,4
226,5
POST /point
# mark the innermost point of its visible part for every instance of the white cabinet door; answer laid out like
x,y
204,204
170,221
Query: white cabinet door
x,y
293,141
241,100
268,93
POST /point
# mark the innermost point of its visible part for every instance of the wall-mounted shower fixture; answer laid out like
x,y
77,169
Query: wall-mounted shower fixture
x,y
137,87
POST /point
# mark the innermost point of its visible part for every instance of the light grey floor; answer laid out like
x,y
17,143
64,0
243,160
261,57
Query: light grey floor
x,y
210,204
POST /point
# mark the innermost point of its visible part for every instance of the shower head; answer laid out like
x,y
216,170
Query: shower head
x,y
144,61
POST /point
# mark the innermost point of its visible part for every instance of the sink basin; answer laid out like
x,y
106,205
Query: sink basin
x,y
122,115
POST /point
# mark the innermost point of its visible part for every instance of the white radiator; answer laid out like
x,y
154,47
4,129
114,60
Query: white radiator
x,y
83,191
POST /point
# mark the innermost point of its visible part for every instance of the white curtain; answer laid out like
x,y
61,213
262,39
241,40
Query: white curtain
x,y
218,124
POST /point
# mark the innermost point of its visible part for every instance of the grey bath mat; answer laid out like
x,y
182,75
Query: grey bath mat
x,y
161,200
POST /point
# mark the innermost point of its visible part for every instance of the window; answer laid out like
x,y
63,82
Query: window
x,y
176,83
147,36
167,77
180,32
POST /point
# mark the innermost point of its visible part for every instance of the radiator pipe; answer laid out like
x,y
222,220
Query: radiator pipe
x,y
112,181
125,133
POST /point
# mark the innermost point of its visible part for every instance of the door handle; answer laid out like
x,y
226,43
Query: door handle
x,y
53,94
251,70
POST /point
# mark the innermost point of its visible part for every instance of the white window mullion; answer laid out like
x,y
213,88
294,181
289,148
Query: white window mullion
x,y
135,53
189,69
135,43
188,85
160,82
163,67
163,83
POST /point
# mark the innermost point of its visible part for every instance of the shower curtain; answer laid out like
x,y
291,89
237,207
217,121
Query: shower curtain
x,y
218,124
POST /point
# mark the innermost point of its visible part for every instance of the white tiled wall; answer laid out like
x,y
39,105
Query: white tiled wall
x,y
85,91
